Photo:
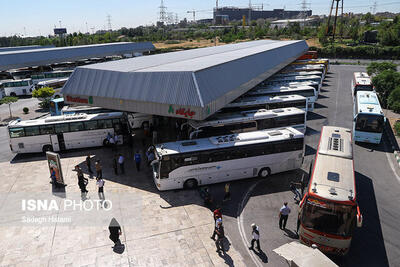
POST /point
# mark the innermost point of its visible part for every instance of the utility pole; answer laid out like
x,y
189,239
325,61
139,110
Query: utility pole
x,y
335,19
109,23
87,29
163,12
194,15
249,12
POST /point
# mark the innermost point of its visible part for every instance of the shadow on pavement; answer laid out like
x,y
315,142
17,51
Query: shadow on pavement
x,y
318,105
290,234
228,260
309,151
367,247
311,131
261,254
314,116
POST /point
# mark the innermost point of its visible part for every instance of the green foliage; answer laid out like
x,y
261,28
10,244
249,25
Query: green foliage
x,y
361,51
397,127
385,82
394,100
9,100
45,92
25,110
378,67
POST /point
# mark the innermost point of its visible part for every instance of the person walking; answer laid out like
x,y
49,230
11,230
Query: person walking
x,y
89,165
115,165
256,237
227,195
100,184
283,216
138,159
115,231
82,181
220,234
295,191
121,161
99,169
112,143
217,221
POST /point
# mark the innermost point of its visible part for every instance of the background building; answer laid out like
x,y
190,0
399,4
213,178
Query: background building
x,y
235,13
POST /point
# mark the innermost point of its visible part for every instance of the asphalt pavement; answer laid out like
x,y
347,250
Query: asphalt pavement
x,y
377,181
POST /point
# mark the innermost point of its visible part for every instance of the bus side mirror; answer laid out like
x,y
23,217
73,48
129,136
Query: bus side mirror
x,y
359,218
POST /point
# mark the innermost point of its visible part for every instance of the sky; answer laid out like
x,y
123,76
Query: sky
x,y
38,17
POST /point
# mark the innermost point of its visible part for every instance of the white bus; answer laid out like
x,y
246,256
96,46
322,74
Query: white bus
x,y
369,120
58,133
268,83
329,211
45,76
296,68
56,84
303,78
247,121
319,61
298,73
17,87
361,82
267,102
187,164
307,91
135,120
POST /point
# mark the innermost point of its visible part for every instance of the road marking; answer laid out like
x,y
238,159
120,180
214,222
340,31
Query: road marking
x,y
241,227
391,163
337,97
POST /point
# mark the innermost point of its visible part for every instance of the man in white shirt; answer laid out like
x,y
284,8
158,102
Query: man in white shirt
x,y
256,237
283,215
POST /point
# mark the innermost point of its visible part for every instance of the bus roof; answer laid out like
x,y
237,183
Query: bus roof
x,y
367,102
298,73
294,78
79,108
64,118
305,66
279,89
362,78
333,174
57,100
17,80
220,119
254,100
231,140
52,81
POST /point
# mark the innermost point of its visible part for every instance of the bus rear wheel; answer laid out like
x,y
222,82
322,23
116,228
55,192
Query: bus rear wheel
x,y
190,184
47,148
13,94
264,172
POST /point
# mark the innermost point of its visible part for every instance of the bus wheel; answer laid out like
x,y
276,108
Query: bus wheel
x,y
47,148
190,184
13,94
264,172
105,142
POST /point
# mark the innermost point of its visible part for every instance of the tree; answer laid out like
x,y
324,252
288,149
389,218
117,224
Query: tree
x,y
9,100
394,100
376,67
384,83
44,94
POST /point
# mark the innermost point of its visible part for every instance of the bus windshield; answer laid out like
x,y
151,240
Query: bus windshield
x,y
329,217
369,123
360,87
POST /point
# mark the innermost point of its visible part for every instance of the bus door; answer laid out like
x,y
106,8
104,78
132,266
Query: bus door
x,y
57,140
54,142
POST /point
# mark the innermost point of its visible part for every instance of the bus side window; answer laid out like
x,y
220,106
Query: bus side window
x,y
46,129
17,132
32,131
61,128
76,126
90,125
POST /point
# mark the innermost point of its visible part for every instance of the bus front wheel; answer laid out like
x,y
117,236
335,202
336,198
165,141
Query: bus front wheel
x,y
190,184
47,148
13,94
264,172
